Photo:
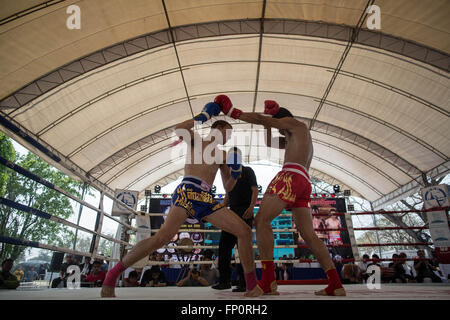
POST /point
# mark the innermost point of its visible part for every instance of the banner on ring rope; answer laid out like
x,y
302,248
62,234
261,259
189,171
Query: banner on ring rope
x,y
127,197
338,241
197,237
143,232
435,197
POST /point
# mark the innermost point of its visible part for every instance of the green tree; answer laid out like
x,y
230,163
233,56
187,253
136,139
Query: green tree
x,y
104,245
15,187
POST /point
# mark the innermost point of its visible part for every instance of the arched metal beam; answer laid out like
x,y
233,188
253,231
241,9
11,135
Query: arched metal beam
x,y
364,182
167,146
322,127
169,103
125,49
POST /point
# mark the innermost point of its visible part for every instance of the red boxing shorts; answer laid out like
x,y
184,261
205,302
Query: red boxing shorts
x,y
292,185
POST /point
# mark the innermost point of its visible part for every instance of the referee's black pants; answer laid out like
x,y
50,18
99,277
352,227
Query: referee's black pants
x,y
226,245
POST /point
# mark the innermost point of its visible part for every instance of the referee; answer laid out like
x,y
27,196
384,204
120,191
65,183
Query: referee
x,y
241,200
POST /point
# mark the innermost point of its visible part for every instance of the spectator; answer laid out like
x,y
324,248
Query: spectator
x,y
210,275
399,271
77,261
408,274
19,273
154,277
282,272
42,272
425,270
132,280
65,265
375,261
258,261
386,273
97,275
362,265
394,260
126,275
350,274
64,274
31,275
290,264
58,282
193,279
7,279
85,268
103,265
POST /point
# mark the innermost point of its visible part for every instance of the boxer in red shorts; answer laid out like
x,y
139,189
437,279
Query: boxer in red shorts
x,y
291,188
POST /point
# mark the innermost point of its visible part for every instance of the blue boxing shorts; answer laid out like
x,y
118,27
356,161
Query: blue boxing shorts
x,y
194,195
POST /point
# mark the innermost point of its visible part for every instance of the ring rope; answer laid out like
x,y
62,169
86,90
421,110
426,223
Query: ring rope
x,y
50,185
45,215
28,243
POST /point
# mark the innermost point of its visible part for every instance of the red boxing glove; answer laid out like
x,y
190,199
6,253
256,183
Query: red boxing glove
x,y
271,107
227,107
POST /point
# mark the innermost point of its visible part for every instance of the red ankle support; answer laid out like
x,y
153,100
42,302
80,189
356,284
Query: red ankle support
x,y
113,275
334,282
268,275
250,280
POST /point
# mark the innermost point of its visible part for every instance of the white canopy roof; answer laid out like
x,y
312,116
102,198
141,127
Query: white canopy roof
x,y
101,101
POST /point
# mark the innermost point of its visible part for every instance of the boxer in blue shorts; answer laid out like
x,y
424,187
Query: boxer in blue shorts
x,y
193,197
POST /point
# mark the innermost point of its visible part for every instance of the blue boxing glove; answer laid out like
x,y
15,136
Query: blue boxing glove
x,y
234,161
211,109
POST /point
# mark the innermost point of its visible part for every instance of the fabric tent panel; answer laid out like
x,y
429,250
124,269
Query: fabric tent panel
x,y
339,12
355,184
141,172
137,156
374,159
15,6
124,106
301,50
405,147
176,168
416,20
184,12
109,81
356,167
295,79
400,72
145,168
106,145
217,49
409,115
299,106
221,77
31,49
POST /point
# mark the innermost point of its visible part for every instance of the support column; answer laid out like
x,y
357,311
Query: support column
x,y
98,227
83,193
351,234
374,219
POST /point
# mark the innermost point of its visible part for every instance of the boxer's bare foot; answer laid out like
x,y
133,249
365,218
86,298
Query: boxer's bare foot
x,y
337,292
273,289
108,292
256,292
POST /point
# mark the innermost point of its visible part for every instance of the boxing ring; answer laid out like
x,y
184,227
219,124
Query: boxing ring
x,y
408,291
289,289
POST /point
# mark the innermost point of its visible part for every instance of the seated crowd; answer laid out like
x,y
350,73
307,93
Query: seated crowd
x,y
93,273
397,271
